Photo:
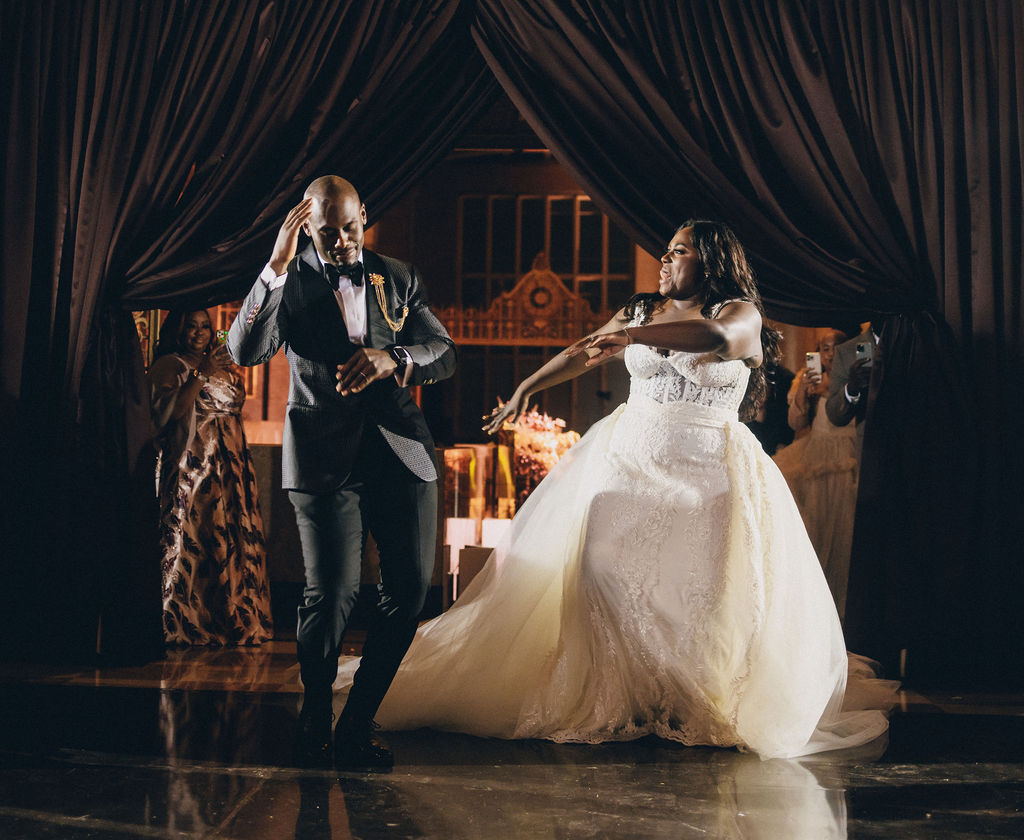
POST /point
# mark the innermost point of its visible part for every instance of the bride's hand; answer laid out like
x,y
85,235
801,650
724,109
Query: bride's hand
x,y
599,347
504,413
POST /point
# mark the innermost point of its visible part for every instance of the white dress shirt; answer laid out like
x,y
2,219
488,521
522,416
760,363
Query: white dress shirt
x,y
351,299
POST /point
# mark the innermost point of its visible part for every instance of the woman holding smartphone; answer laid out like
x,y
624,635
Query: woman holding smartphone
x,y
821,468
215,588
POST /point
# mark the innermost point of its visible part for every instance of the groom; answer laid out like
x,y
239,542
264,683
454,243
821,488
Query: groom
x,y
849,381
357,456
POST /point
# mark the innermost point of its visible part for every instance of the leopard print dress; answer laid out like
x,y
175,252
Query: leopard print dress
x,y
215,586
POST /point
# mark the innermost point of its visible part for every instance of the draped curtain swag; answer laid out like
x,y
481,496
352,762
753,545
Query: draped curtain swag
x,y
868,154
152,150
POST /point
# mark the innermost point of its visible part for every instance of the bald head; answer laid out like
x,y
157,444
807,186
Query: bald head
x,y
331,188
336,223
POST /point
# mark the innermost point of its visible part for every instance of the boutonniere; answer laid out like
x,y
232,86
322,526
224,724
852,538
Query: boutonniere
x,y
377,281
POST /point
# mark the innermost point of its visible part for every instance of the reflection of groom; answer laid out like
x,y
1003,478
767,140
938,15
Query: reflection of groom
x,y
356,455
848,383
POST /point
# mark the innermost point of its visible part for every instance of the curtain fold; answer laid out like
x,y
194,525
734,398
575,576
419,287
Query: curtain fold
x,y
152,150
917,576
159,145
867,154
707,109
377,92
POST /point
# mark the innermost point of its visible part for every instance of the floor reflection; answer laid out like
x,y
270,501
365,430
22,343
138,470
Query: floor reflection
x,y
199,745
225,731
776,799
271,667
735,797
456,786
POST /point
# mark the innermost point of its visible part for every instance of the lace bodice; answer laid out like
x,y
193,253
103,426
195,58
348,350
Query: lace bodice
x,y
676,376
698,378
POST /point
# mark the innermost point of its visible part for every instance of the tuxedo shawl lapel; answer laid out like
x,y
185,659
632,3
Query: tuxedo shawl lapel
x,y
311,259
378,333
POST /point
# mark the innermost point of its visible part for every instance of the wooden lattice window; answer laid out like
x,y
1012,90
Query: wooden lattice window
x,y
501,235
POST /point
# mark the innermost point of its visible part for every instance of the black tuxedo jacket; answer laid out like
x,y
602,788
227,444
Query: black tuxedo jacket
x,y
323,429
837,407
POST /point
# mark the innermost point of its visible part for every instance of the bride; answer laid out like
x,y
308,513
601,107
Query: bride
x,y
660,579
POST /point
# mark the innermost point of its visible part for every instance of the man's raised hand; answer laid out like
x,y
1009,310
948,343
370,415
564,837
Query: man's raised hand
x,y
287,242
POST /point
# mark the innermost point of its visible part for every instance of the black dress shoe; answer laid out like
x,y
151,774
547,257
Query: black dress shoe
x,y
357,746
313,740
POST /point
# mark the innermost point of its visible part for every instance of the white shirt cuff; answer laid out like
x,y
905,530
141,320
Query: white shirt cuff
x,y
849,399
271,279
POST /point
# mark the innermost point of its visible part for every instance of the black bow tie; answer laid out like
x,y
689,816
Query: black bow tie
x,y
353,272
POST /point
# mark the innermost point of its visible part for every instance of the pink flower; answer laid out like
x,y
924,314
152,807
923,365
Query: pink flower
x,y
539,443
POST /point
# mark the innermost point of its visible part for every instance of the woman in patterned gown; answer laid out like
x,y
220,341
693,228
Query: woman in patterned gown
x,y
659,580
215,589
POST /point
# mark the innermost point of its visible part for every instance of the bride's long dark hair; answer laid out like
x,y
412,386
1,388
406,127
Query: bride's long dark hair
x,y
727,276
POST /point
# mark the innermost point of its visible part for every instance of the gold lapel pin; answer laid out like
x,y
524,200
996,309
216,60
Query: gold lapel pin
x,y
377,281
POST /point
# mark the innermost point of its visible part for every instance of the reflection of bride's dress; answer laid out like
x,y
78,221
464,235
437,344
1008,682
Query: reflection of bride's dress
x,y
659,580
715,794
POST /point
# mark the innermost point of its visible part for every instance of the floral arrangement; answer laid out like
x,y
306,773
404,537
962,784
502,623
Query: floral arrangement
x,y
540,440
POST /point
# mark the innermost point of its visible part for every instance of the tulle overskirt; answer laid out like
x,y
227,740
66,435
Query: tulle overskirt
x,y
659,581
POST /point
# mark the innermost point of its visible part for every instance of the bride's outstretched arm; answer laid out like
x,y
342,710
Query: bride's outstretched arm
x,y
735,333
567,365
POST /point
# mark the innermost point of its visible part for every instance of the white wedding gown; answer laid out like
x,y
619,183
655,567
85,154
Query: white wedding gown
x,y
659,580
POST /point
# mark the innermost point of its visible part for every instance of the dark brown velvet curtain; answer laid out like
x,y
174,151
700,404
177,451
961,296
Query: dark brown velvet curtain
x,y
151,151
869,155
155,147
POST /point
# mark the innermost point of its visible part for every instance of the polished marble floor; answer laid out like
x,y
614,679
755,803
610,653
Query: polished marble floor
x,y
198,744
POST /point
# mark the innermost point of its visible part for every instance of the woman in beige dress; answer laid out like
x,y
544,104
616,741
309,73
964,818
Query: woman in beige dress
x,y
820,467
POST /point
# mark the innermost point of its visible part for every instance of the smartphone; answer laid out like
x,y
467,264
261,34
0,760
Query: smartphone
x,y
222,336
865,350
814,362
